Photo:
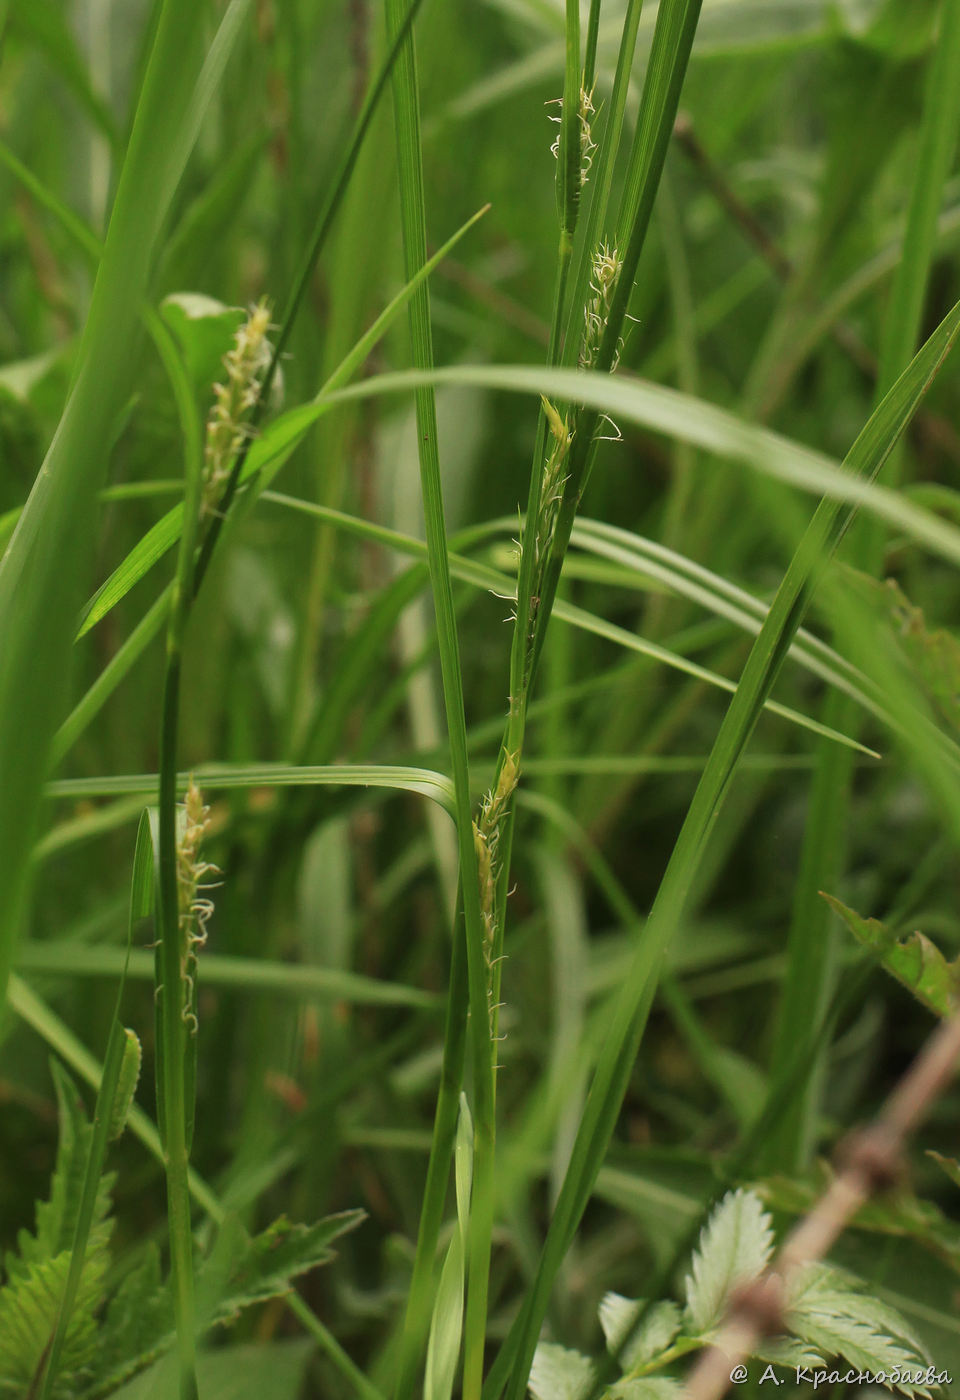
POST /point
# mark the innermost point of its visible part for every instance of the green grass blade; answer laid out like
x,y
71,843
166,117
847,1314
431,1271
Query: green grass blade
x,y
936,148
269,451
443,1348
820,659
43,566
810,967
632,1004
123,659
259,976
704,425
224,777
324,223
413,218
673,36
568,149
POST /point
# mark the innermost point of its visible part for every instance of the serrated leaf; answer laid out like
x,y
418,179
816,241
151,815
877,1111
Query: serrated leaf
x,y
29,1306
56,1217
618,1316
560,1374
735,1246
645,1388
240,1273
830,1310
949,1165
264,1267
914,961
138,1325
788,1351
37,1274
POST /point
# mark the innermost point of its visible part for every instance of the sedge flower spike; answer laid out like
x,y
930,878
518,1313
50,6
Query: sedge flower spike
x,y
486,840
194,907
585,113
228,424
604,275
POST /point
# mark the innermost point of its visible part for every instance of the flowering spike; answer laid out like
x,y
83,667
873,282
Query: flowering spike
x,y
245,363
193,908
486,840
604,275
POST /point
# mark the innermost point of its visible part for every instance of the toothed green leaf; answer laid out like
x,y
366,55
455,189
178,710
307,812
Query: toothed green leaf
x,y
29,1305
831,1310
735,1246
645,1388
137,1327
914,961
36,1274
560,1374
263,1267
949,1165
618,1316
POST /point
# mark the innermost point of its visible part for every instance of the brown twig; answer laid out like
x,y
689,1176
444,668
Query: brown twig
x,y
869,1162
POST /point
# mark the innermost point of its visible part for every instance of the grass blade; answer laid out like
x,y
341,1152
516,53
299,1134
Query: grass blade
x,y
412,212
632,1004
43,565
268,453
810,967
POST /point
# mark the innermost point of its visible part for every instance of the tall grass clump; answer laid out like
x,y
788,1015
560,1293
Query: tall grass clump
x,y
479,698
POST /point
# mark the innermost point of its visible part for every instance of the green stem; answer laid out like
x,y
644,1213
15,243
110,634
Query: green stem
x,y
670,51
337,190
177,1105
634,999
416,1320
413,218
172,1067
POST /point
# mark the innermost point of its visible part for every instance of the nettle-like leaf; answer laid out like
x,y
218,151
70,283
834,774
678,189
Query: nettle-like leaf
x,y
618,1317
735,1246
56,1219
560,1374
241,1272
829,1309
29,1306
265,1266
36,1274
137,1328
914,961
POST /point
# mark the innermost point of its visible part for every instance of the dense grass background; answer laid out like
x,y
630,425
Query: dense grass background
x,y
764,288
